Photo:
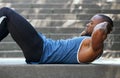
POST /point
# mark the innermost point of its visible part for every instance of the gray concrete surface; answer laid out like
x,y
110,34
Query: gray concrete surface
x,y
62,19
101,68
17,68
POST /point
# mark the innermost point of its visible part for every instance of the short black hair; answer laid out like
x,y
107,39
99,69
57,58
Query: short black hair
x,y
109,20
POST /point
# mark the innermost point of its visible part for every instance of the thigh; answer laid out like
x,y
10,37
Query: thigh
x,y
25,35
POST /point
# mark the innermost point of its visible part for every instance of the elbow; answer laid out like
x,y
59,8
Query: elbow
x,y
86,60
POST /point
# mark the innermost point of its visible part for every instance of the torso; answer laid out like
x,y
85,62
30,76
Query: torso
x,y
61,51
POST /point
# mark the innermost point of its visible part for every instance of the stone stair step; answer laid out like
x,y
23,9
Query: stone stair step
x,y
7,46
81,16
19,1
111,37
48,30
111,43
62,23
49,35
67,11
59,16
63,34
41,1
48,5
116,30
19,54
65,6
111,54
58,1
62,30
57,23
11,54
112,46
35,1
67,32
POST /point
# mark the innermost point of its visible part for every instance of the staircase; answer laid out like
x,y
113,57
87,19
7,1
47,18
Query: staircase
x,y
63,19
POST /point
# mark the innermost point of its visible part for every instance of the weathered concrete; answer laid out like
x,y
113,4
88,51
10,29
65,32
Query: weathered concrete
x,y
22,70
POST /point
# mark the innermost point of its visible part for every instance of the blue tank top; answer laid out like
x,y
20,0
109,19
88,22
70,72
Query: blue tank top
x,y
61,51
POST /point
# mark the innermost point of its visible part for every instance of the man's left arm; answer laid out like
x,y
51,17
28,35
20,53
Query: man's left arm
x,y
93,47
99,35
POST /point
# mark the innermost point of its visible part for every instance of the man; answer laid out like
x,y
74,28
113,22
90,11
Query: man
x,y
38,49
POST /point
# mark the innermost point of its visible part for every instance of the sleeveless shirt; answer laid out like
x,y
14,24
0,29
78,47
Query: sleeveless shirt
x,y
61,51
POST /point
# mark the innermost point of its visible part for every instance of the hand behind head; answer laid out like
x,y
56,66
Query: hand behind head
x,y
102,25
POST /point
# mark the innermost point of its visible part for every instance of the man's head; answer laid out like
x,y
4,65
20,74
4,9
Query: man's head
x,y
96,19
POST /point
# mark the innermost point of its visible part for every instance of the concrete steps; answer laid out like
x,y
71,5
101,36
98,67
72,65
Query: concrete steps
x,y
62,19
11,54
35,1
7,50
112,43
59,1
67,31
62,23
80,16
68,11
63,5
13,46
30,4
111,38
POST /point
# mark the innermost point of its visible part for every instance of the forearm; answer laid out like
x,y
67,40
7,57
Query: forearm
x,y
99,35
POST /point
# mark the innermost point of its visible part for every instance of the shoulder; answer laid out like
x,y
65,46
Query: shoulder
x,y
87,53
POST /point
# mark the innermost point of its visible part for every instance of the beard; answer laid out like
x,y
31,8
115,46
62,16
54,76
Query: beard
x,y
86,34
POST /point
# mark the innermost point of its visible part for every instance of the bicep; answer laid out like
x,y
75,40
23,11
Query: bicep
x,y
87,53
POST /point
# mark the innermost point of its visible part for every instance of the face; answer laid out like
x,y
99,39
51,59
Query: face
x,y
92,23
